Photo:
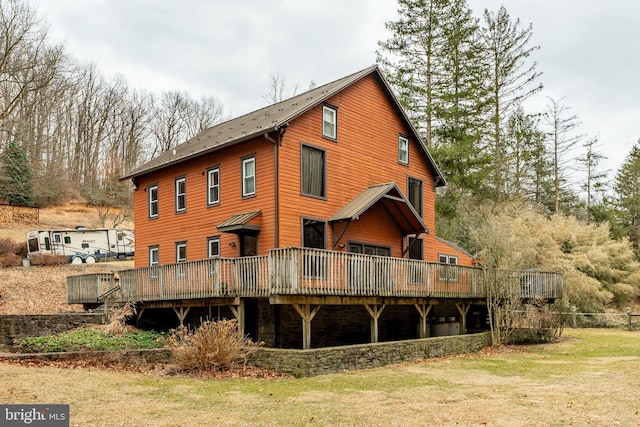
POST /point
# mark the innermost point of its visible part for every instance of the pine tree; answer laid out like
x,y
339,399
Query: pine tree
x,y
594,179
627,188
511,79
16,183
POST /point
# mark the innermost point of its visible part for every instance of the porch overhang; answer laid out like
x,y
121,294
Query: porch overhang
x,y
392,199
239,223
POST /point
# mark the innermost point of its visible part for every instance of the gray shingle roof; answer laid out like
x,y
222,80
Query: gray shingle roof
x,y
266,120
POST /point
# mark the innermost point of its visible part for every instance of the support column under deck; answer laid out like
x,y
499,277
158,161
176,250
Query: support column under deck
x,y
375,311
182,313
423,311
307,312
463,309
238,312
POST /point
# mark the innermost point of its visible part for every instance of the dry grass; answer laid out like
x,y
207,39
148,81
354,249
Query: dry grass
x,y
42,290
589,379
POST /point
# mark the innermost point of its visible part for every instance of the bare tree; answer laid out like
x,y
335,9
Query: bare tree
x,y
562,138
27,62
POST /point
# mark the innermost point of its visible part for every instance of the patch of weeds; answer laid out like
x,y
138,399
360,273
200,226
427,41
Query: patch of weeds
x,y
92,339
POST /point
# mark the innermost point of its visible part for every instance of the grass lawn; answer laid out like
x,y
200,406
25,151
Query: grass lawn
x,y
591,377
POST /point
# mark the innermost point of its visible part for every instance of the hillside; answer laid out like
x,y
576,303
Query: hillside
x,y
39,290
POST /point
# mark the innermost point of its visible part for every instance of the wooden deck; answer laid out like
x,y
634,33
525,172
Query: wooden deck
x,y
300,272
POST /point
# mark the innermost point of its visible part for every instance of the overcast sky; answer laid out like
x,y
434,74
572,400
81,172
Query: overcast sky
x,y
589,49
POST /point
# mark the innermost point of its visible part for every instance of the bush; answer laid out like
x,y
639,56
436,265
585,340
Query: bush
x,y
10,246
213,346
10,260
48,259
93,339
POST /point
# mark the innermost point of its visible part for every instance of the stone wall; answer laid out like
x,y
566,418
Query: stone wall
x,y
19,214
304,363
14,328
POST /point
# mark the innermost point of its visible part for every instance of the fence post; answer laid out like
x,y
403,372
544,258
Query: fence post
x,y
573,316
629,317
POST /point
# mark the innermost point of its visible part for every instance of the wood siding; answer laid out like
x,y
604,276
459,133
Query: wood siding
x,y
199,221
365,153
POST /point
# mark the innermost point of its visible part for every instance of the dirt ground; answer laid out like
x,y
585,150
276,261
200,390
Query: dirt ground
x,y
556,384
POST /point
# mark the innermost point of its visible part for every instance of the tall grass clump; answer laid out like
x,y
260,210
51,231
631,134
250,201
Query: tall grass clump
x,y
213,346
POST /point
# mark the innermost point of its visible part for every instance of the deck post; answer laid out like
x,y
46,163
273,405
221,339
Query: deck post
x,y
375,311
423,311
238,312
307,313
138,316
182,313
463,309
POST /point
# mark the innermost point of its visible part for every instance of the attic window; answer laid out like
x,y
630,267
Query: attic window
x,y
329,122
403,150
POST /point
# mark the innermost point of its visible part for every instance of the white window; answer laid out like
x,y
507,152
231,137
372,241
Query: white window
x,y
181,252
181,194
181,257
214,247
403,150
153,201
329,122
249,177
448,272
213,186
154,256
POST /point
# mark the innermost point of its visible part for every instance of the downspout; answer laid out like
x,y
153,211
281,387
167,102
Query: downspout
x,y
276,183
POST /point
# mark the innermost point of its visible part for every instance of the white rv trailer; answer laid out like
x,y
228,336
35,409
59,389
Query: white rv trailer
x,y
82,244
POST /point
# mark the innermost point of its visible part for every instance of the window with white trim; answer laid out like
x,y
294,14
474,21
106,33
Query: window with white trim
x,y
403,150
329,122
213,247
153,201
249,177
181,257
154,260
213,186
448,271
181,194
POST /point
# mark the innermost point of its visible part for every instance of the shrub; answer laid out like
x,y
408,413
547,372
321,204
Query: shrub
x,y
48,259
10,260
10,246
213,346
92,339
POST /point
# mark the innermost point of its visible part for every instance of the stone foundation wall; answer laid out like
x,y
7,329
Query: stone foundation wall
x,y
304,363
14,328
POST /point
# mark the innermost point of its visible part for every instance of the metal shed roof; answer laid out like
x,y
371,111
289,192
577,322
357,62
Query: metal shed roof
x,y
392,199
237,222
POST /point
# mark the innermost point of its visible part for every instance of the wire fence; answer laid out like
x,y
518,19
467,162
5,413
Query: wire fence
x,y
628,320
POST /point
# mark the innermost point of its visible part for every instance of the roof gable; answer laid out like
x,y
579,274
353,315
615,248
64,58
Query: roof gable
x,y
272,118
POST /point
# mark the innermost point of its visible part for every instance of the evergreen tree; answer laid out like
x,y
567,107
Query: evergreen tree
x,y
510,79
627,188
16,184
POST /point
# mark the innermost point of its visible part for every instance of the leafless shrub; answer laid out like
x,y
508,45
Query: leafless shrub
x,y
48,259
212,346
10,260
10,246
117,319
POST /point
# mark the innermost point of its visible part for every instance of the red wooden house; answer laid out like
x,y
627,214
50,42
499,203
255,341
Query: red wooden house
x,y
326,199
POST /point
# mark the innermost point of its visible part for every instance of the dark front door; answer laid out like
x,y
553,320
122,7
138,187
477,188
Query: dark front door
x,y
248,244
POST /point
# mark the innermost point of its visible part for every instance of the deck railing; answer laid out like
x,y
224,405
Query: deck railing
x,y
87,288
303,271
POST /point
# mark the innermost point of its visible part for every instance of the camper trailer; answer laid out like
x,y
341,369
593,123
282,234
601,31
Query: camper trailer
x,y
82,244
